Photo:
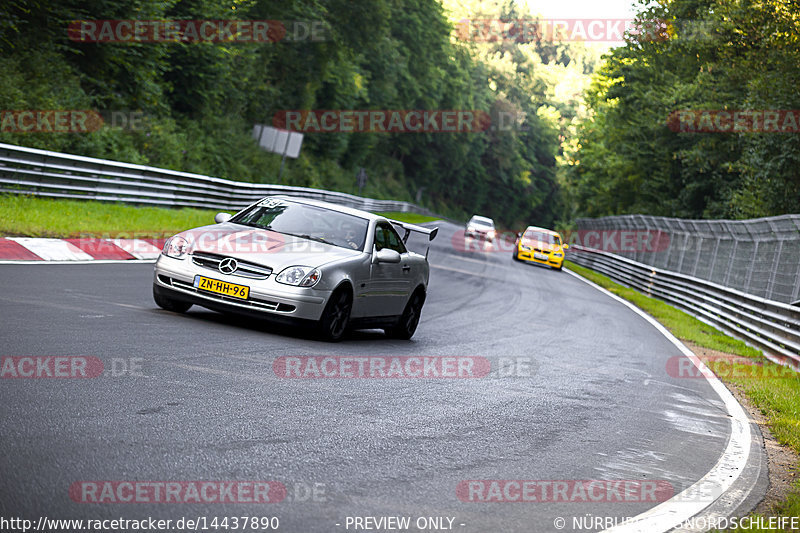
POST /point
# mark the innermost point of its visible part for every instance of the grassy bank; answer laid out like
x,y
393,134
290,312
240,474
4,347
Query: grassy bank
x,y
30,216
772,389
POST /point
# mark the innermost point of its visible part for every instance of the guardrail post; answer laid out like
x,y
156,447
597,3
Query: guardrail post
x,y
640,253
749,277
686,236
669,230
775,266
697,256
732,259
714,256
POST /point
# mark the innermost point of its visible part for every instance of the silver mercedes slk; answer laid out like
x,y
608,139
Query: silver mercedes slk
x,y
301,261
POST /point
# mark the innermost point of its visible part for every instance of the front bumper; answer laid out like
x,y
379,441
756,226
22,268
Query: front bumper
x,y
267,298
528,255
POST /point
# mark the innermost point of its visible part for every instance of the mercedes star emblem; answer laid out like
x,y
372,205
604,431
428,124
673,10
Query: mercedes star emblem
x,y
228,265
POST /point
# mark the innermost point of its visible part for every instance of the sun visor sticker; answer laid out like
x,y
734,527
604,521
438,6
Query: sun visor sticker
x,y
271,202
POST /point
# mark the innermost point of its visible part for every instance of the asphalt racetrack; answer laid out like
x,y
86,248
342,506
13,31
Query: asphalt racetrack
x,y
579,390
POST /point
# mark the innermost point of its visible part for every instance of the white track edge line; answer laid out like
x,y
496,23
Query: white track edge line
x,y
681,507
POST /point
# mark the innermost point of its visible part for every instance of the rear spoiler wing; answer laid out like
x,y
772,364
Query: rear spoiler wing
x,y
408,228
430,232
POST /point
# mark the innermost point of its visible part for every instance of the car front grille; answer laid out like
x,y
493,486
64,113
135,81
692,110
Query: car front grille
x,y
245,269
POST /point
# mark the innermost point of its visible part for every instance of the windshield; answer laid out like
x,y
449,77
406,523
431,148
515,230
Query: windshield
x,y
308,222
480,221
540,236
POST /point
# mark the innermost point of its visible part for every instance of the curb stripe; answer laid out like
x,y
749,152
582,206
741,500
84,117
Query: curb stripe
x,y
78,250
53,249
158,243
13,251
138,248
101,249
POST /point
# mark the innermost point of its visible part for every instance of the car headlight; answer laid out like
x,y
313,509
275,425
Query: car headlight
x,y
559,254
299,276
524,247
176,247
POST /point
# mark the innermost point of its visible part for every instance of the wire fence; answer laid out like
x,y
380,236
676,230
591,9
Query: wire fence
x,y
759,256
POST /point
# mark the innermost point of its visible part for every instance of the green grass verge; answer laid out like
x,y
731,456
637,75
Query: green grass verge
x,y
411,218
682,325
772,389
30,216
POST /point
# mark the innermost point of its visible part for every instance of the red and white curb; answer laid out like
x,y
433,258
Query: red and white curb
x,y
25,249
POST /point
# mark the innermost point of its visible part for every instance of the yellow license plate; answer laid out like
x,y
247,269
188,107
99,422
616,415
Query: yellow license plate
x,y
221,287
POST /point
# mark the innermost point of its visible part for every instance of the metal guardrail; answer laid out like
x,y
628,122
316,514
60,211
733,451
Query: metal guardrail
x,y
772,326
58,175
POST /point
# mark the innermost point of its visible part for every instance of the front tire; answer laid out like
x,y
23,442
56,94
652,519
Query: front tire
x,y
165,302
409,320
336,315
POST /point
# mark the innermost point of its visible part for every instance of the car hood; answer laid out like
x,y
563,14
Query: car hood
x,y
533,243
264,247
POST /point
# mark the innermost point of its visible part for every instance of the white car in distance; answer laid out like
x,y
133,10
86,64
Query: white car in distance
x,y
481,228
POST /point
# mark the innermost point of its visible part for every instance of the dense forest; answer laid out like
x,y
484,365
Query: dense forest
x,y
717,58
571,134
200,100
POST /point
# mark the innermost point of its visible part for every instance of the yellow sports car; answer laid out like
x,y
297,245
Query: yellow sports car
x,y
539,245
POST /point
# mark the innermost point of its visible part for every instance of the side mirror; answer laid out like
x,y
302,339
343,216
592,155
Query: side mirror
x,y
519,234
565,246
387,256
222,217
